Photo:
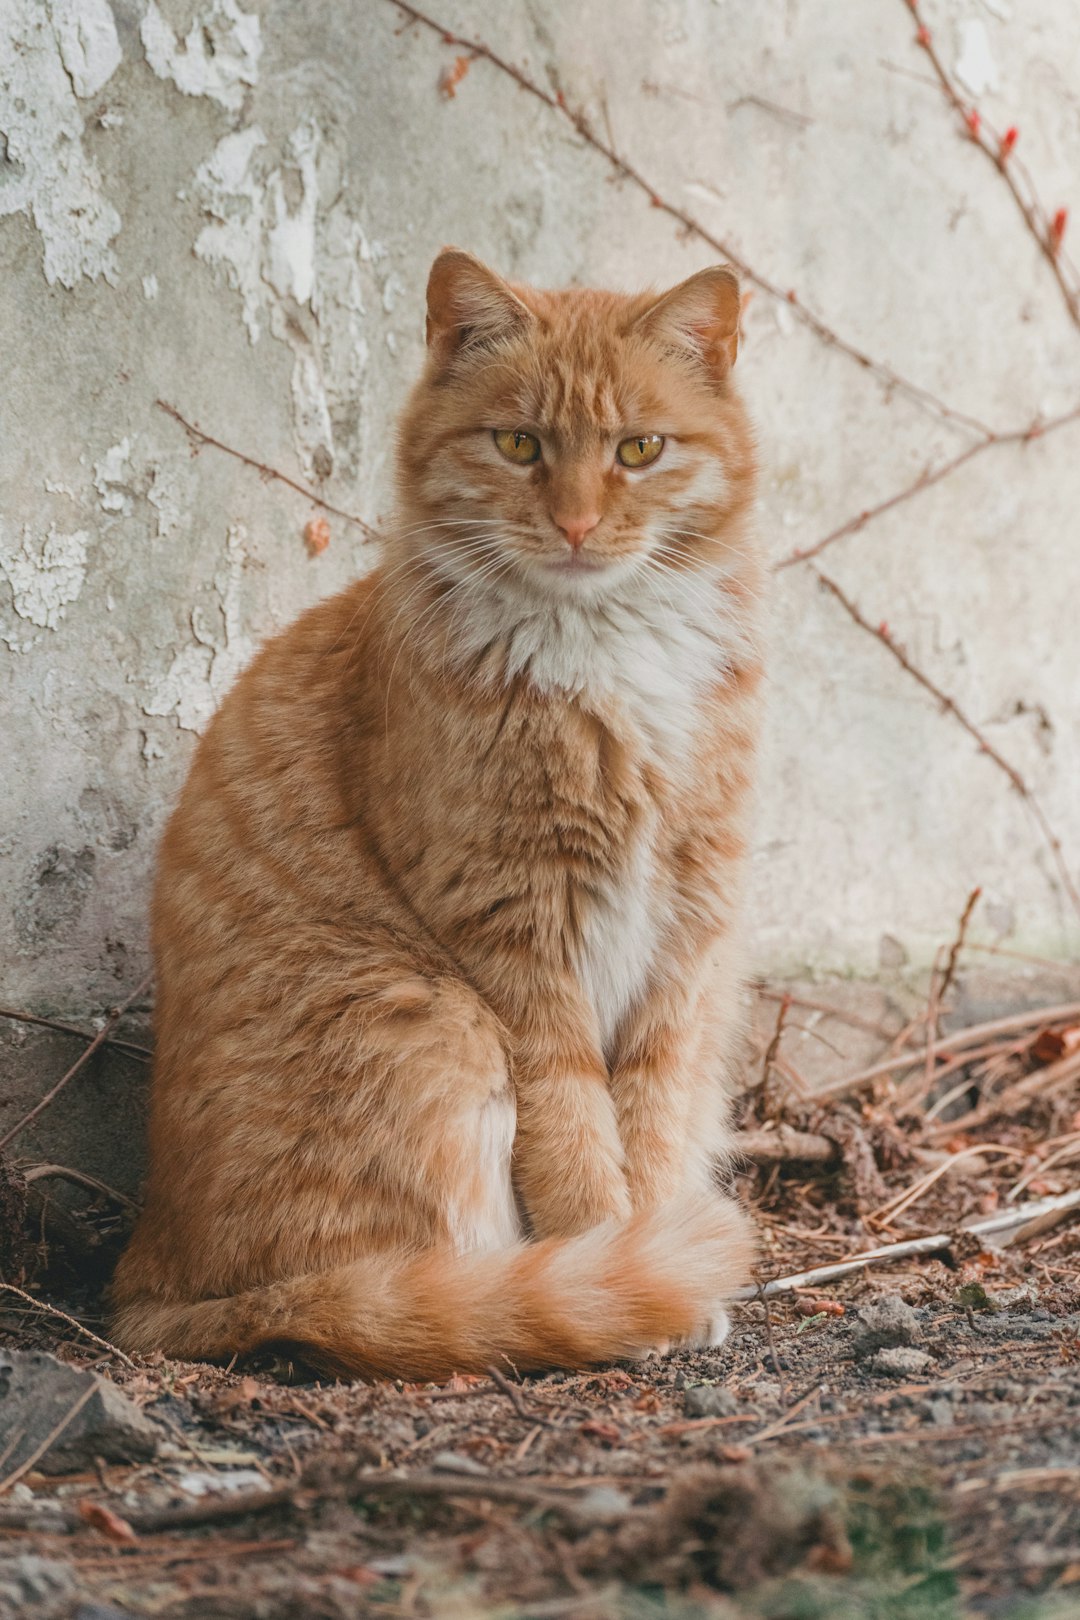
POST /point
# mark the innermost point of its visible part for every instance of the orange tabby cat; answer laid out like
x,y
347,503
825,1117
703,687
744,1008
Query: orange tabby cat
x,y
445,921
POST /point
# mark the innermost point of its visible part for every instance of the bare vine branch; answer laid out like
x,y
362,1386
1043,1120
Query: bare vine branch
x,y
199,437
950,706
557,102
1047,229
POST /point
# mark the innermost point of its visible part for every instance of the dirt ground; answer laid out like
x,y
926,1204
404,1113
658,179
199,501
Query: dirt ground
x,y
903,1443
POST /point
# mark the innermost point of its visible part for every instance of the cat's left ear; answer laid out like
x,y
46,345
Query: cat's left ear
x,y
469,305
700,317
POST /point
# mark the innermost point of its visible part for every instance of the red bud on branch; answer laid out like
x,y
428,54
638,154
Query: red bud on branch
x,y
1057,228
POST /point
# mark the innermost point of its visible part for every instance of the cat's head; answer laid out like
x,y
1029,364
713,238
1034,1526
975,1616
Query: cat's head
x,y
569,444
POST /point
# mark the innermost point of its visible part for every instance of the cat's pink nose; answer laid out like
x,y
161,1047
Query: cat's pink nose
x,y
576,528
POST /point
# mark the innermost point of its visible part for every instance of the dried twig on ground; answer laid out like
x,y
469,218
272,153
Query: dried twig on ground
x,y
1000,1226
54,1310
957,1043
782,1143
551,1495
1015,1097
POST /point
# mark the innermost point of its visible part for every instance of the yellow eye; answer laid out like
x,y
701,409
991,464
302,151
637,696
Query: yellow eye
x,y
640,450
518,447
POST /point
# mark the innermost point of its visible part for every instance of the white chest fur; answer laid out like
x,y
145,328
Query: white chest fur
x,y
643,659
620,938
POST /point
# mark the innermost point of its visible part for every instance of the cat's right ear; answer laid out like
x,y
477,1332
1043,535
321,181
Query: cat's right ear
x,y
468,305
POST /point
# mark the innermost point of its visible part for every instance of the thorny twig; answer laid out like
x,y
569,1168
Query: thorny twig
x,y
950,706
774,1044
693,227
926,480
955,948
99,1040
199,437
999,149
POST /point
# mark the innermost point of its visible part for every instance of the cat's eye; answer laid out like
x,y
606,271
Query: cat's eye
x,y
518,447
639,451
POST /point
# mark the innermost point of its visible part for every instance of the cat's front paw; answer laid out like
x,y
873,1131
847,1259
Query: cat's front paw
x,y
714,1331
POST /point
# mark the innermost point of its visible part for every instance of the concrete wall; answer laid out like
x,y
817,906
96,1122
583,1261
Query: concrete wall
x,y
231,205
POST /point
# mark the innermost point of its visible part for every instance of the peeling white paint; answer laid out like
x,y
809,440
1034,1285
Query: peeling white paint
x,y
112,478
89,47
311,413
150,287
975,65
290,241
229,191
202,671
45,576
268,253
169,495
47,174
218,58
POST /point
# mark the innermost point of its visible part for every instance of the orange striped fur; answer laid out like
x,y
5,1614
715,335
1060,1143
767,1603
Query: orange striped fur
x,y
446,922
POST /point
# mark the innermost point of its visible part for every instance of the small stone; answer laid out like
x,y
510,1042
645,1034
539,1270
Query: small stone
x,y
100,1611
900,1361
1021,1298
37,1392
452,1462
709,1400
884,1324
602,1504
941,1413
29,1579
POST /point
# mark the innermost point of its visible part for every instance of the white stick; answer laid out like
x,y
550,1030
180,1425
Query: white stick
x,y
1009,1220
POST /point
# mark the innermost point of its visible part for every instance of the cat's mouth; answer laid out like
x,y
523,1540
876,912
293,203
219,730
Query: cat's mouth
x,y
575,562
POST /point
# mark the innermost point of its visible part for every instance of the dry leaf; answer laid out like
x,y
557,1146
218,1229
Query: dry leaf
x,y
359,1575
102,1518
602,1431
452,76
460,1381
819,1307
1051,1044
317,535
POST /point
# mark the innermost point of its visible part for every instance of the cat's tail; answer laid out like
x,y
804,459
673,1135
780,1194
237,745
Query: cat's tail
x,y
618,1290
